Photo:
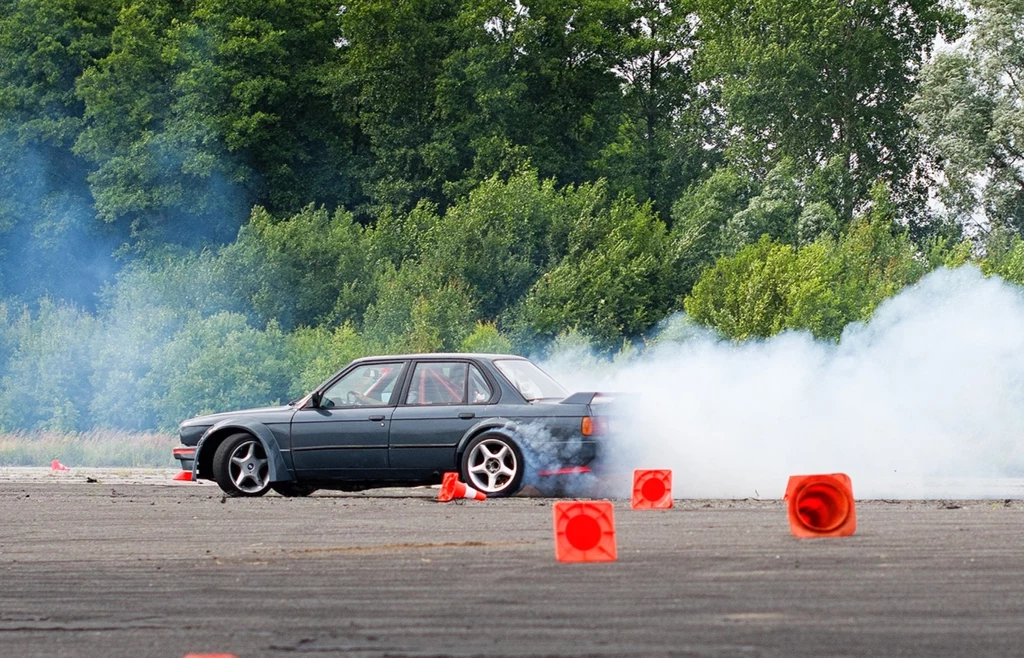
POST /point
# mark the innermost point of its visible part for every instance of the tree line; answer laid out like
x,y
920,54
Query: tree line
x,y
207,204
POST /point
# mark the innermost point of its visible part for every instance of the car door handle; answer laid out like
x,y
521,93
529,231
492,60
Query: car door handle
x,y
380,417
466,415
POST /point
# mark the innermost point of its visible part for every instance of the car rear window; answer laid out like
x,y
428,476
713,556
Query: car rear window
x,y
438,383
532,382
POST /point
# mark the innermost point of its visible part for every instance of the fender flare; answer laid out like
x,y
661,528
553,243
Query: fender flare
x,y
498,424
279,471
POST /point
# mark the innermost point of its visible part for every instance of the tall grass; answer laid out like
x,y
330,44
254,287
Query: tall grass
x,y
93,448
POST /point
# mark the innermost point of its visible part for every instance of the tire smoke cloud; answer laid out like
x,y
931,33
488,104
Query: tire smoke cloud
x,y
923,401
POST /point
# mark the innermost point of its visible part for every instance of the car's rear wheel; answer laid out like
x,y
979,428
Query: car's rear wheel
x,y
292,489
241,466
493,464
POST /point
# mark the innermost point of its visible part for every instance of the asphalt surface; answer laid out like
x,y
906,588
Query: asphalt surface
x,y
110,569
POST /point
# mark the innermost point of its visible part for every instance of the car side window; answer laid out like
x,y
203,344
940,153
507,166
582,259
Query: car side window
x,y
370,385
438,383
479,390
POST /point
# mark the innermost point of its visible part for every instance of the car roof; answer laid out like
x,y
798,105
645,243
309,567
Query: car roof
x,y
441,355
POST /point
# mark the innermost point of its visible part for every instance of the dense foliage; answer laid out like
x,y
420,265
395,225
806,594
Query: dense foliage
x,y
208,204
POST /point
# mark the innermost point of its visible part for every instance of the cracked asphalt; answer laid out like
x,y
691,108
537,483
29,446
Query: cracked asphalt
x,y
134,567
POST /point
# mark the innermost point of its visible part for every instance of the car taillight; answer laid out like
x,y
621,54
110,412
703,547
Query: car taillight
x,y
592,426
184,452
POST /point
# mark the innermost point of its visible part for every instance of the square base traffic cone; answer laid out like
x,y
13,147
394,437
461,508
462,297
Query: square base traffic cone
x,y
652,489
584,531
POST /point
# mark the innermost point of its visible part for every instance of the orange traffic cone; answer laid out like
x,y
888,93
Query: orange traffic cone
x,y
55,465
821,506
451,489
652,489
584,531
183,476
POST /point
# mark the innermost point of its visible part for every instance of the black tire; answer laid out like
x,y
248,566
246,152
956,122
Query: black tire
x,y
292,489
241,466
494,464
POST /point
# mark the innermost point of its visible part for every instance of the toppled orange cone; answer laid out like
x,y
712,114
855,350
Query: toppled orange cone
x,y
183,476
652,489
821,506
55,465
585,531
452,488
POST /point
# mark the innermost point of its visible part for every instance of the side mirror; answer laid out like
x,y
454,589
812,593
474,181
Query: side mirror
x,y
315,399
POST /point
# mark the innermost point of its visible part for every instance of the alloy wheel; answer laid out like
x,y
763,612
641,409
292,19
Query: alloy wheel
x,y
249,467
492,465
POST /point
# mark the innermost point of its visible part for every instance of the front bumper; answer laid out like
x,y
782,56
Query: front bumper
x,y
186,456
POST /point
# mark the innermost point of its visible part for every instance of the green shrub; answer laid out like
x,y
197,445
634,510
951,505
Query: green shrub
x,y
46,381
314,354
619,278
768,287
217,363
486,339
307,270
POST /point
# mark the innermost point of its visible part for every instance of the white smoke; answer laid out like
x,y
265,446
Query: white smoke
x,y
924,401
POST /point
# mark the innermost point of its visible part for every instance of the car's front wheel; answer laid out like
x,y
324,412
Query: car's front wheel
x,y
241,466
493,464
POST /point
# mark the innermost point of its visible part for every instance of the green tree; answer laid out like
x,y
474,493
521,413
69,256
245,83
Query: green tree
x,y
700,216
45,384
769,287
728,211
502,237
617,280
201,110
481,101
486,338
398,237
310,269
449,94
420,309
148,303
250,97
49,241
392,56
316,353
140,183
1004,257
571,108
659,147
217,363
969,111
819,82
744,296
844,281
773,212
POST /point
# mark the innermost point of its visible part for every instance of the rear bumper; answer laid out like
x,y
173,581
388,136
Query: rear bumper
x,y
563,457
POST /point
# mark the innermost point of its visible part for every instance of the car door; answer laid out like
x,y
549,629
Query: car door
x,y
347,434
441,402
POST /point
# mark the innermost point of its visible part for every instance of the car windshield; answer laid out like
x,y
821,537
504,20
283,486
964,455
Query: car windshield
x,y
532,382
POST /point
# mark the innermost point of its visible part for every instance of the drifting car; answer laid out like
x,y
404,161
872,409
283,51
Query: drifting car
x,y
402,421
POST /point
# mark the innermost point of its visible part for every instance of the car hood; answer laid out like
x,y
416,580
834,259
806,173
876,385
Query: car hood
x,y
259,412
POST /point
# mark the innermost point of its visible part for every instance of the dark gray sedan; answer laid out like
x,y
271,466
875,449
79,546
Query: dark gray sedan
x,y
402,420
